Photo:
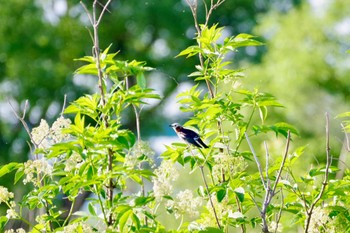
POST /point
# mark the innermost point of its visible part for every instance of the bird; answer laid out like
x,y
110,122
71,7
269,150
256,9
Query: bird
x,y
188,135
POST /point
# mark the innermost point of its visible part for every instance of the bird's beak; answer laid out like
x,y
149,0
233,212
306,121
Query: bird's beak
x,y
170,125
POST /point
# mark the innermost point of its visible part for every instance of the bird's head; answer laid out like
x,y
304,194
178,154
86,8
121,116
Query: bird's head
x,y
175,126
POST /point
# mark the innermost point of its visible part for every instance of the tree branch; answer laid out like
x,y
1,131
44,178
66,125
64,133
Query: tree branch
x,y
309,212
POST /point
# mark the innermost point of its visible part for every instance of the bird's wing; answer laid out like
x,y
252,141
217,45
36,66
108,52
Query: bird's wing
x,y
200,142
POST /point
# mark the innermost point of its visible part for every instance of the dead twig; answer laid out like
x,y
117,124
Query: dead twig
x,y
310,210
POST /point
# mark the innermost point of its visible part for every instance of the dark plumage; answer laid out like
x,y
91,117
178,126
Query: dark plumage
x,y
188,135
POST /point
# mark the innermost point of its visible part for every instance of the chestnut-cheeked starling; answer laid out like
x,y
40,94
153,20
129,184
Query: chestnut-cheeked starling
x,y
188,135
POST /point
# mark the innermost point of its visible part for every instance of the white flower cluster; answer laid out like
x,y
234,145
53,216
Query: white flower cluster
x,y
319,220
165,173
227,164
276,227
185,203
73,162
5,195
19,230
222,209
41,219
139,149
43,136
11,213
32,168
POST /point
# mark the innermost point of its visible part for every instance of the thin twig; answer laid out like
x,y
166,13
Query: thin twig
x,y
210,200
309,212
269,192
256,160
279,214
64,104
103,11
255,203
282,164
95,22
267,164
207,188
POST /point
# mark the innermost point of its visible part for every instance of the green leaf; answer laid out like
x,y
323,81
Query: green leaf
x,y
242,40
141,81
263,113
7,168
123,218
345,114
3,221
19,174
220,194
136,221
211,230
189,52
239,193
141,201
92,209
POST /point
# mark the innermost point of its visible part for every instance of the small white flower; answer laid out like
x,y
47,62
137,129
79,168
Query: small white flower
x,y
20,230
56,129
5,195
274,226
165,173
78,227
10,231
225,163
11,213
185,203
235,215
40,133
32,168
43,136
41,219
319,219
73,162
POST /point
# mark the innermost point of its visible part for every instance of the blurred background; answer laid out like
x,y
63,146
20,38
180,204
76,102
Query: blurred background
x,y
304,62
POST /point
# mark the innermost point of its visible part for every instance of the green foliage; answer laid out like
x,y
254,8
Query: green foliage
x,y
98,155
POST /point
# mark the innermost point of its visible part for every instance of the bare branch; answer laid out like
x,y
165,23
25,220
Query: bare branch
x,y
24,123
87,12
309,212
212,7
267,165
103,11
279,214
210,199
64,104
282,164
269,192
207,188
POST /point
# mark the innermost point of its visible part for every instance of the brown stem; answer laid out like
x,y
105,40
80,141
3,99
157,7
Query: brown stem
x,y
95,22
325,179
210,200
